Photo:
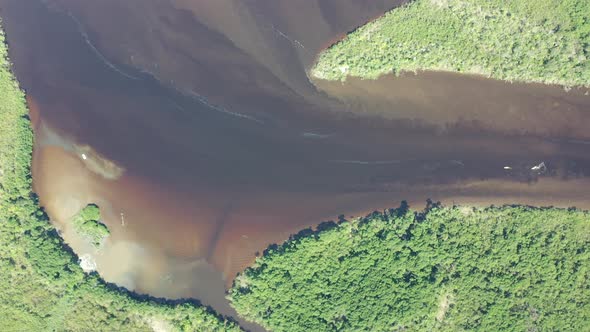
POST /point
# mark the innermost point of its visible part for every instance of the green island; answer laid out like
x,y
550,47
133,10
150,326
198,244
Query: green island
x,y
42,287
88,225
511,268
512,40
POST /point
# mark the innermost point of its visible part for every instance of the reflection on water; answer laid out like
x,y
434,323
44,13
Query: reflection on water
x,y
195,128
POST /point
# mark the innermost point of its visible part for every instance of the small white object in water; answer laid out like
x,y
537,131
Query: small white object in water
x,y
507,167
87,263
84,156
540,168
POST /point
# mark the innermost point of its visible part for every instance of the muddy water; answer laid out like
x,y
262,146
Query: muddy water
x,y
195,128
448,100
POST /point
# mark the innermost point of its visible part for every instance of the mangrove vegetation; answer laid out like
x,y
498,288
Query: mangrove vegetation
x,y
512,268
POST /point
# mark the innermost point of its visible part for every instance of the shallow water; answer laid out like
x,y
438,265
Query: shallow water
x,y
205,141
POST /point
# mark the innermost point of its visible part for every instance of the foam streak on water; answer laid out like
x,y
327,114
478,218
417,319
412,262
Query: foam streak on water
x,y
101,56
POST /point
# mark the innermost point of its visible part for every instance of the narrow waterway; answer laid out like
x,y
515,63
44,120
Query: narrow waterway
x,y
194,126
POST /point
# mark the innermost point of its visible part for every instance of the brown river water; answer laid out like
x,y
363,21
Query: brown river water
x,y
194,125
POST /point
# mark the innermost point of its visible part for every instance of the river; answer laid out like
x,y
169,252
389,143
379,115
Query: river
x,y
194,125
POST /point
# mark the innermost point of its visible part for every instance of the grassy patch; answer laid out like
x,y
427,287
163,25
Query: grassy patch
x,y
512,40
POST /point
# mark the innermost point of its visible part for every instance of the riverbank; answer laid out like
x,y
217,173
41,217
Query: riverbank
x,y
43,287
511,41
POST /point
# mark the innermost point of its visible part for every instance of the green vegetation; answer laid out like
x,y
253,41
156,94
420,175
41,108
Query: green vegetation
x,y
42,288
446,269
87,223
515,40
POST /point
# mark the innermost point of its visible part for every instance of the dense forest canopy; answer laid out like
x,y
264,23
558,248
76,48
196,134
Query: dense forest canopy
x,y
42,287
446,269
514,40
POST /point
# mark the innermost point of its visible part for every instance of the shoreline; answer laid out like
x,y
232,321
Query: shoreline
x,y
419,72
313,78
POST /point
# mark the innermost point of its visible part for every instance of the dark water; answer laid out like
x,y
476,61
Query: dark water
x,y
194,126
